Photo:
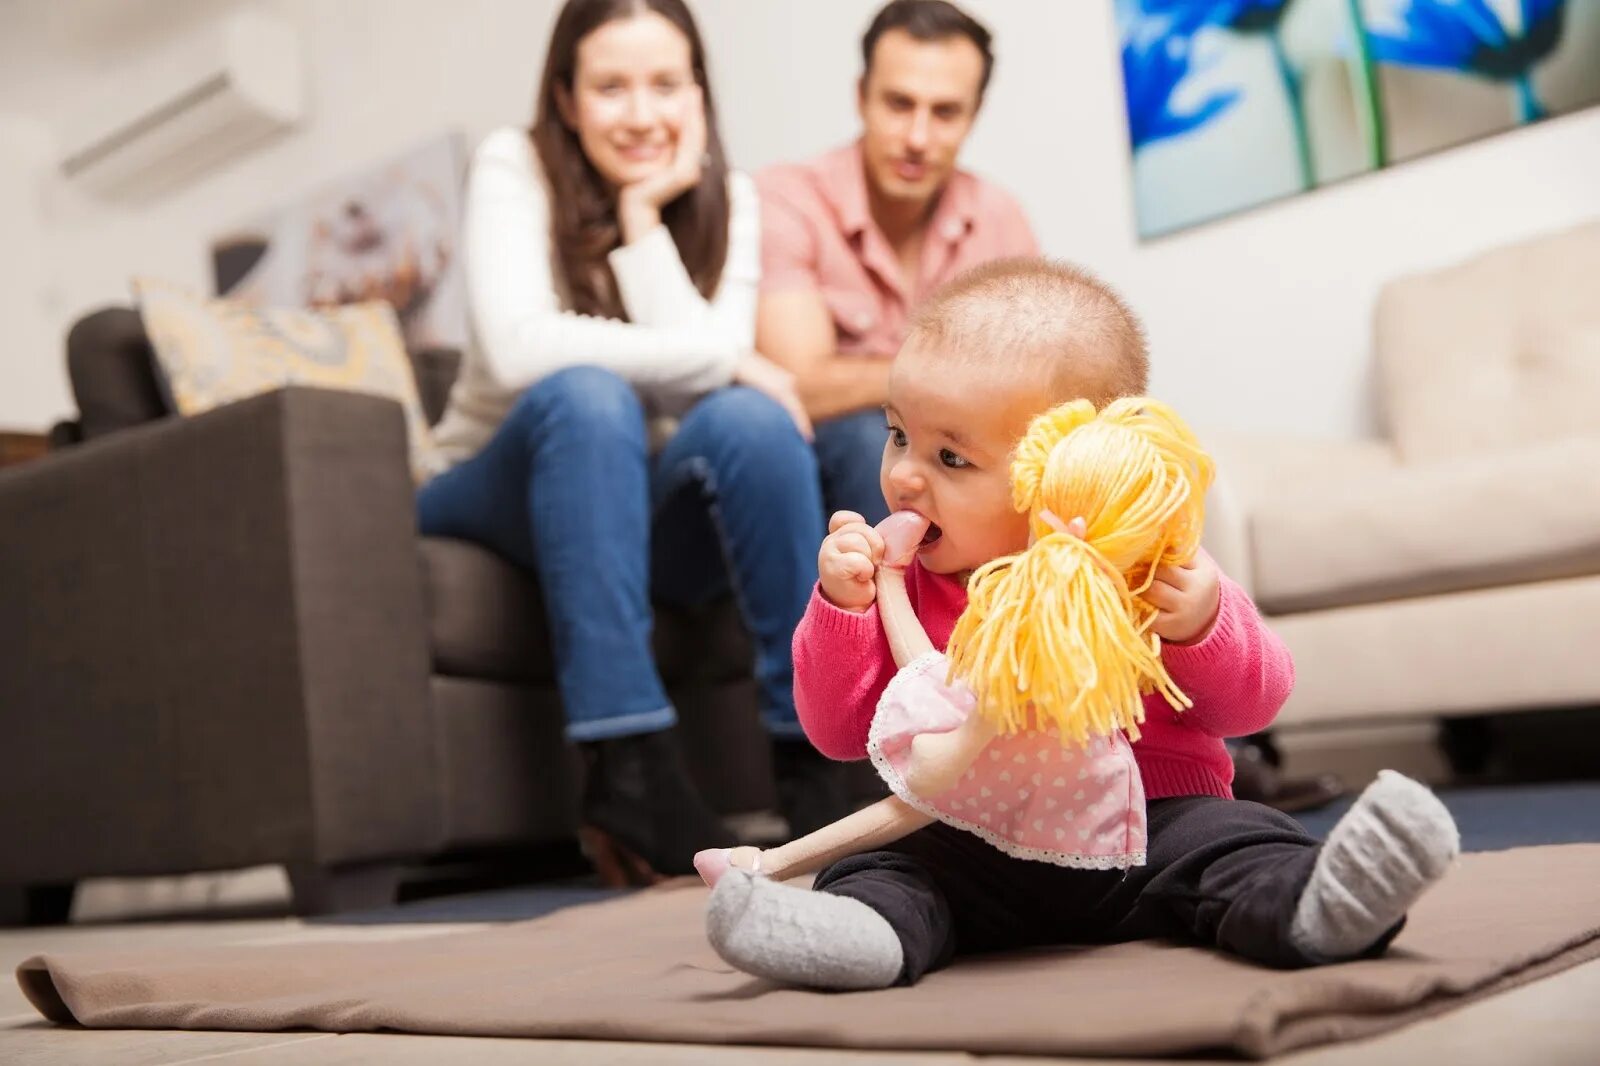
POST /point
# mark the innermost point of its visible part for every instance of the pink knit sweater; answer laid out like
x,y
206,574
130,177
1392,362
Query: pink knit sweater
x,y
1238,675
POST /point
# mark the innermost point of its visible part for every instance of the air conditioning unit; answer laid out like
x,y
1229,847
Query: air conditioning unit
x,y
197,100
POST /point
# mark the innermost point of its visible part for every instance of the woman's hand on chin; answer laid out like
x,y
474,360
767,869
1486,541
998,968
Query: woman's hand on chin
x,y
639,203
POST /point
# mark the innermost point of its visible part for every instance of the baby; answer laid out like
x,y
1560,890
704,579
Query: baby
x,y
996,347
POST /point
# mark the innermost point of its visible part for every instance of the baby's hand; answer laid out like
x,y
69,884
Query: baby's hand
x,y
1186,599
848,562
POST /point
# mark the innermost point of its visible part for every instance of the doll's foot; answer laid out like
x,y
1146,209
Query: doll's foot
x,y
1386,851
712,863
801,937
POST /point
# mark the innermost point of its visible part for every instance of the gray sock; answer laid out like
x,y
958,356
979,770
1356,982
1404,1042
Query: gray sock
x,y
1382,855
801,937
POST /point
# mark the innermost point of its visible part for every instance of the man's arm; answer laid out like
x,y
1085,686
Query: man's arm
x,y
793,325
795,330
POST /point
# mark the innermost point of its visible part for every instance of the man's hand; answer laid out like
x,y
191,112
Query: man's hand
x,y
1186,599
848,562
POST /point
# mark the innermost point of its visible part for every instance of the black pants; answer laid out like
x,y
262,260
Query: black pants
x,y
1219,873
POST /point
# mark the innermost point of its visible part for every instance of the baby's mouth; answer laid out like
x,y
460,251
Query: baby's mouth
x,y
933,534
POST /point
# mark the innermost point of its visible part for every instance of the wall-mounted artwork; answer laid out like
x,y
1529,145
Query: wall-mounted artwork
x,y
389,232
1234,103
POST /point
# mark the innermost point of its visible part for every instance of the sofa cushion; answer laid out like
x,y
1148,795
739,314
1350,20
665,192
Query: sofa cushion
x,y
1525,514
486,620
1560,380
1470,356
210,352
1487,651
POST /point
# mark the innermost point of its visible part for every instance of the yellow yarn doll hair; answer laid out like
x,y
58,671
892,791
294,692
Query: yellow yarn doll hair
x,y
1057,636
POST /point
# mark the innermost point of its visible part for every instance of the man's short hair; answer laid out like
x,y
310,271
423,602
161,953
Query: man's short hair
x,y
929,20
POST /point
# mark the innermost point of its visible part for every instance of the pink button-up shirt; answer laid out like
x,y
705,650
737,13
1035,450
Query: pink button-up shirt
x,y
816,233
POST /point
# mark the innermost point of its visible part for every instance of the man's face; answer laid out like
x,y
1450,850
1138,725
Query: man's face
x,y
917,104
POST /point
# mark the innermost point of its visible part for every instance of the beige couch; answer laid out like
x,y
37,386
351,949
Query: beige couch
x,y
1453,566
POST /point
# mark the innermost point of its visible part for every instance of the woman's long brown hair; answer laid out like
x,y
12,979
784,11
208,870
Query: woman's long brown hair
x,y
583,217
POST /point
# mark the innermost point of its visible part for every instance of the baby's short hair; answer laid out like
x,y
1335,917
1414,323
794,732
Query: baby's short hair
x,y
1040,312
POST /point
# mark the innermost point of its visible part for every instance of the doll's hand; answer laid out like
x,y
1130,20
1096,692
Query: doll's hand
x,y
848,562
1186,599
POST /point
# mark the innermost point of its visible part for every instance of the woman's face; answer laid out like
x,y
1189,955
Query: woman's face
x,y
630,89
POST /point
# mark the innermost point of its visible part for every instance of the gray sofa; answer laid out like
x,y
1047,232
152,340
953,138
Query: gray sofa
x,y
1451,565
222,643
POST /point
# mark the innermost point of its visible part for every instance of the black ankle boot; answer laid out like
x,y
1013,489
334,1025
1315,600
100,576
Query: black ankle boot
x,y
643,818
812,789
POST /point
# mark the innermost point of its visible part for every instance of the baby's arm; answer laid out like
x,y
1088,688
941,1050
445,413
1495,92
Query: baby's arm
x,y
842,665
1238,674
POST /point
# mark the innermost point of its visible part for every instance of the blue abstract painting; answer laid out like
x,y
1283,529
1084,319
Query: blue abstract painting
x,y
1234,103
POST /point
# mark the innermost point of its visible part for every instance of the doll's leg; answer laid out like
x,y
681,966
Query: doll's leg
x,y
1248,879
872,828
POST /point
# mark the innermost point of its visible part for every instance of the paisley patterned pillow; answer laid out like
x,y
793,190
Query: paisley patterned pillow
x,y
210,352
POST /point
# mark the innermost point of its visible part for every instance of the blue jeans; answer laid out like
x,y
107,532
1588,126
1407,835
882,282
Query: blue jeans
x,y
568,490
849,454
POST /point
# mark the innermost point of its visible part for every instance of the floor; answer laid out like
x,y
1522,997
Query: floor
x,y
1552,1022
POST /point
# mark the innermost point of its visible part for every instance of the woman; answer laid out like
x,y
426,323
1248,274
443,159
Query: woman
x,y
612,429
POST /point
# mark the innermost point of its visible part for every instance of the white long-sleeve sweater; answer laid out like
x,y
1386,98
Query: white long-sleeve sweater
x,y
676,346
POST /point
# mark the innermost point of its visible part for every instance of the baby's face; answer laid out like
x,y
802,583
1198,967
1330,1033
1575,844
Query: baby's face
x,y
948,456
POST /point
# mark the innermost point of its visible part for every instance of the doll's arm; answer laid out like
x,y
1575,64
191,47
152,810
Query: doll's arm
x,y
939,759
908,641
891,818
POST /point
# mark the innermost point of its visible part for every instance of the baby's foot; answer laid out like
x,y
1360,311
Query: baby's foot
x,y
1382,855
801,937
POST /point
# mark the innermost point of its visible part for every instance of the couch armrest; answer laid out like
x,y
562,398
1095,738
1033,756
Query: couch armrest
x,y
1252,468
212,646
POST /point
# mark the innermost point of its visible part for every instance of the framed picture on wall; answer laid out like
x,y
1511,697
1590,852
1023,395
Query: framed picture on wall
x,y
388,232
1235,103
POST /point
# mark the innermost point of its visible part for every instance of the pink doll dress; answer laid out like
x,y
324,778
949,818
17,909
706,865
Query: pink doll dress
x,y
1027,794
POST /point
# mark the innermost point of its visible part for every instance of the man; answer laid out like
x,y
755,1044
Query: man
x,y
853,240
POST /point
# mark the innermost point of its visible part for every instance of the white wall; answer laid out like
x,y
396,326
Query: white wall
x,y
31,388
1260,321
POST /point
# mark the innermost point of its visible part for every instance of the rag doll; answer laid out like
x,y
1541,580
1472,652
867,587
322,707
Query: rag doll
x,y
1020,734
